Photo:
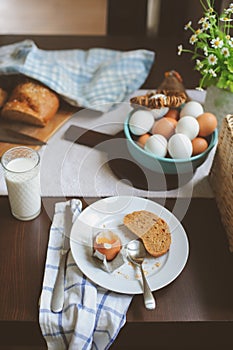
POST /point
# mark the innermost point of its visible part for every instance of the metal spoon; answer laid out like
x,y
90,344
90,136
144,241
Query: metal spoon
x,y
136,254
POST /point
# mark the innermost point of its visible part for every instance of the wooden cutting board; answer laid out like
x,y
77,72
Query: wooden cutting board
x,y
43,133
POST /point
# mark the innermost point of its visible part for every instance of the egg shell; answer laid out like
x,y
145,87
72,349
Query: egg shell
x,y
141,122
142,139
156,96
173,113
188,126
108,244
199,145
157,144
165,127
191,108
207,124
180,146
159,112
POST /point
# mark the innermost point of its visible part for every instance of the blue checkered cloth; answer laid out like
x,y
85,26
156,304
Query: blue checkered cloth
x,y
95,79
92,316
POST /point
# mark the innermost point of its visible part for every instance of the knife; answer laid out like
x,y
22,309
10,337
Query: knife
x,y
58,295
12,136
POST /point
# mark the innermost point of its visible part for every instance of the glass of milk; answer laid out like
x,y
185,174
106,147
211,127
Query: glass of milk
x,y
22,174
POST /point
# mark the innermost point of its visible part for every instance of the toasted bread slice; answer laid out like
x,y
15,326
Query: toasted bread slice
x,y
153,231
157,240
139,222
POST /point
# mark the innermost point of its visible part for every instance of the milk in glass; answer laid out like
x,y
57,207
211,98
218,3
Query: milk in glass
x,y
23,182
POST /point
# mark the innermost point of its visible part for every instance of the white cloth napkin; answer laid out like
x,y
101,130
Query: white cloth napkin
x,y
92,316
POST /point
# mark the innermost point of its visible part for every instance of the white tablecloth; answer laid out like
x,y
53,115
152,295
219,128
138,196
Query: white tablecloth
x,y
69,169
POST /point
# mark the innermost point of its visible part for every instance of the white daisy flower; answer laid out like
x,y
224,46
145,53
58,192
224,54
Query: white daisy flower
x,y
193,39
230,42
188,25
198,31
180,49
212,72
205,50
202,20
212,59
226,19
205,25
230,9
199,64
216,43
225,52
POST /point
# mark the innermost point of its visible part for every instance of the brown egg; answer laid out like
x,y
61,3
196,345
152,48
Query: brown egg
x,y
164,126
173,113
207,123
199,145
142,139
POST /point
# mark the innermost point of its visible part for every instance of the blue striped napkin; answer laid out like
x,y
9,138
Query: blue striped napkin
x,y
95,79
92,316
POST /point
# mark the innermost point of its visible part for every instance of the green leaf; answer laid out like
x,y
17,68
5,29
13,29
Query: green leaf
x,y
230,66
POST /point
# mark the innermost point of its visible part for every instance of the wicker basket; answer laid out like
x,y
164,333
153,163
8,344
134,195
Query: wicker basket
x,y
221,176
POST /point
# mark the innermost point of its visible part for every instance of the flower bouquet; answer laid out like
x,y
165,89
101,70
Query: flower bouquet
x,y
212,47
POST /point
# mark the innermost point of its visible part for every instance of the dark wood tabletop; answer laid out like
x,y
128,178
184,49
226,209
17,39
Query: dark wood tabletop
x,y
198,305
194,312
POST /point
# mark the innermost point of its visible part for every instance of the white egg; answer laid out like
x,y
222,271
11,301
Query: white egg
x,y
188,126
141,122
191,108
160,112
180,146
156,144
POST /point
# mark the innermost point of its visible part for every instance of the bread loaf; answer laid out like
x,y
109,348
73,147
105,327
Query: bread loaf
x,y
153,231
3,97
31,103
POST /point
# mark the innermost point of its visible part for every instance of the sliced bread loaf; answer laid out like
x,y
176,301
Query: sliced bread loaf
x,y
153,231
31,103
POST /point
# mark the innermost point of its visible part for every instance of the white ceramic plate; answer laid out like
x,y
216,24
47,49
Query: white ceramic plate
x,y
108,213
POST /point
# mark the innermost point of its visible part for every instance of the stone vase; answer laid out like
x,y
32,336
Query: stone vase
x,y
219,102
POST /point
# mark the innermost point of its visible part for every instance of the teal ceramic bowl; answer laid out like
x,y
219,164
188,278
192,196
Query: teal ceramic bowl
x,y
166,165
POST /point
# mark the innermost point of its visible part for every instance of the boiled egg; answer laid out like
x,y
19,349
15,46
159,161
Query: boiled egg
x,y
180,146
173,113
108,244
191,108
159,112
142,140
156,144
188,126
199,145
141,122
207,123
165,127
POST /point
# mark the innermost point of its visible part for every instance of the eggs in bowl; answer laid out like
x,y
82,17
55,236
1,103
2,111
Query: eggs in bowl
x,y
162,161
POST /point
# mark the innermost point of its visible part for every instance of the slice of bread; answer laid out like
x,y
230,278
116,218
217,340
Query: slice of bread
x,y
153,231
139,222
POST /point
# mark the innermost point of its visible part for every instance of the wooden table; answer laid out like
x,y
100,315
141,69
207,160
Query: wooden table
x,y
194,312
196,309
